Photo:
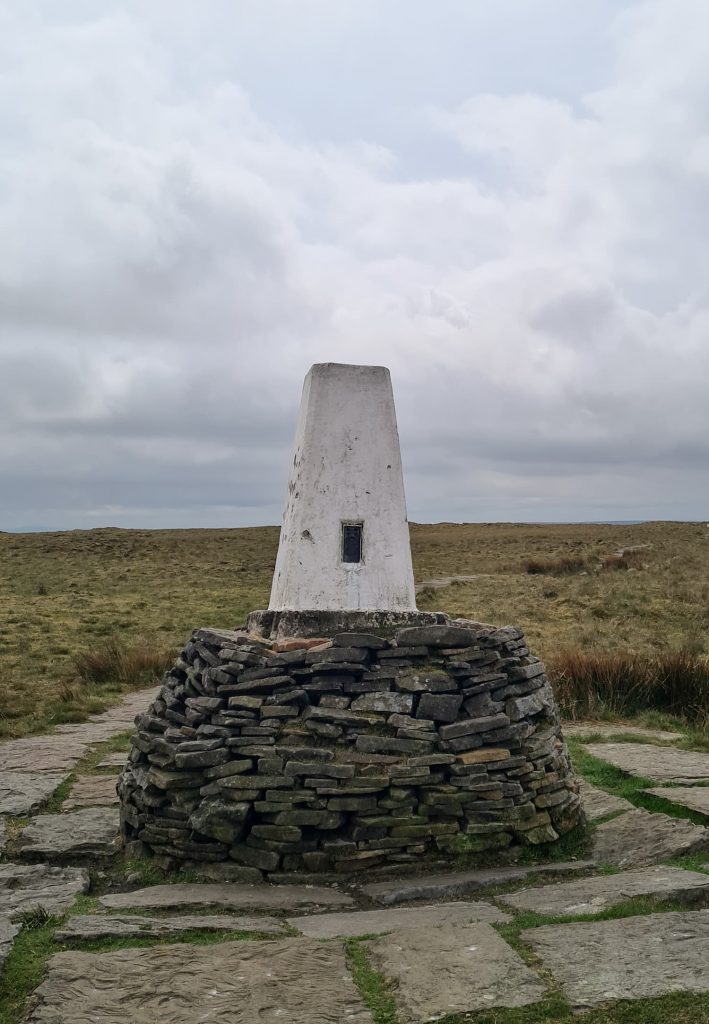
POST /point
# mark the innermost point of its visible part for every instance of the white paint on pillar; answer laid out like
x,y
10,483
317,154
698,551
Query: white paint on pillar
x,y
346,471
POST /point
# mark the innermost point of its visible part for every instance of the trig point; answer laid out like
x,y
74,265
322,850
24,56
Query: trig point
x,y
344,559
345,537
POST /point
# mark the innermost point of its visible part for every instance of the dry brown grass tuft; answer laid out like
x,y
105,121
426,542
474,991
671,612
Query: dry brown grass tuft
x,y
623,560
113,662
564,566
592,683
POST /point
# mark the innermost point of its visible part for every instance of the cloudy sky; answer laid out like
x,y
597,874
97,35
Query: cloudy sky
x,y
506,203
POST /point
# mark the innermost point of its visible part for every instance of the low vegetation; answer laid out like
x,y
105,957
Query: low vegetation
x,y
87,615
593,683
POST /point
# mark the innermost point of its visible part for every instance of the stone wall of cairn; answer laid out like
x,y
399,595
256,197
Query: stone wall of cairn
x,y
357,750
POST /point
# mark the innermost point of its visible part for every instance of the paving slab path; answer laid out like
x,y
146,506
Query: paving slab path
x,y
136,926
115,760
597,803
372,922
23,793
652,762
26,886
292,981
695,798
91,832
59,751
453,969
579,730
630,958
598,893
228,895
459,883
92,791
640,838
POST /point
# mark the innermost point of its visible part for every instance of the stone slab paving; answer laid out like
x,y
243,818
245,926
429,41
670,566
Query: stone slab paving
x,y
26,886
596,894
116,760
51,753
632,958
292,981
8,931
136,926
597,803
372,922
23,793
639,838
695,798
59,750
651,762
578,730
459,883
228,895
91,832
453,969
92,791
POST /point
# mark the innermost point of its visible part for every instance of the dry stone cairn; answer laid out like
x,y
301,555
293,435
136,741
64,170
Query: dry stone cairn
x,y
342,727
333,754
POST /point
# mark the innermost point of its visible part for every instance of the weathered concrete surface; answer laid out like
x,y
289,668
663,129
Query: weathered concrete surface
x,y
346,469
632,958
371,922
578,730
92,791
8,931
695,798
293,981
453,969
22,793
459,883
651,762
597,803
596,894
25,886
60,750
639,838
92,832
135,926
228,895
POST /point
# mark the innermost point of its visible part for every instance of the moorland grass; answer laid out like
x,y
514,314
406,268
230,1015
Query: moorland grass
x,y
87,615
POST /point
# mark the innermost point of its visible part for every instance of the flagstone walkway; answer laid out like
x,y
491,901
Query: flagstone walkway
x,y
434,945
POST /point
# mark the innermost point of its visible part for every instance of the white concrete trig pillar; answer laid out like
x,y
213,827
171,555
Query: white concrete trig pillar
x,y
344,541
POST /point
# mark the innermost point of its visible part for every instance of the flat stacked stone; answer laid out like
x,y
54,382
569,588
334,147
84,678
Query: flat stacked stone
x,y
316,754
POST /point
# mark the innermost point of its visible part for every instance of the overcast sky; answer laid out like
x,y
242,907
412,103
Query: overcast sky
x,y
506,203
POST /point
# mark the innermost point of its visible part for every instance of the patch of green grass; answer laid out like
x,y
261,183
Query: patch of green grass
x,y
676,1008
84,904
573,845
54,804
691,862
635,907
374,987
194,936
13,829
24,970
142,872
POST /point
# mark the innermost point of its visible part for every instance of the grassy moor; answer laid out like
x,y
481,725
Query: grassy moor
x,y
621,613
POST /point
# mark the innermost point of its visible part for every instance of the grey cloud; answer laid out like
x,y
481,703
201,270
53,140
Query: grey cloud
x,y
198,203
